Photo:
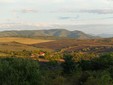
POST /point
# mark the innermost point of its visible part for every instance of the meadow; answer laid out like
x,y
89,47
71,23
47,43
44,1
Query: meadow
x,y
23,40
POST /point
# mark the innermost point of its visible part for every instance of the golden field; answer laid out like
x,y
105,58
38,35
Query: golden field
x,y
23,40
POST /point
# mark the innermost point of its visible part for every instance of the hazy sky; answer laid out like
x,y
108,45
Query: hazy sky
x,y
57,11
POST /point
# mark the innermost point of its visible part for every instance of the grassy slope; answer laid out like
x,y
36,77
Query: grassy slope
x,y
14,43
23,40
14,46
95,45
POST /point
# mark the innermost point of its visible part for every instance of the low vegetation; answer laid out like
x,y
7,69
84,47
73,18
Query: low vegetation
x,y
76,45
86,71
66,62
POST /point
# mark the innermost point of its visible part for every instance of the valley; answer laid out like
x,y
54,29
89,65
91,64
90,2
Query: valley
x,y
56,42
57,59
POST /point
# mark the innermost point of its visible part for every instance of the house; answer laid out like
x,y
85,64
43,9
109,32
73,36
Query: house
x,y
39,55
42,54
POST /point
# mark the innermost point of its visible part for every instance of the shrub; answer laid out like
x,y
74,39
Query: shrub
x,y
99,78
69,64
19,71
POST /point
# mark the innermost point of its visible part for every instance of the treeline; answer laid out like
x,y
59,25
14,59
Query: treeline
x,y
78,69
94,71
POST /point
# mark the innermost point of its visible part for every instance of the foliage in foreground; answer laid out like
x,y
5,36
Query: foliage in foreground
x,y
19,71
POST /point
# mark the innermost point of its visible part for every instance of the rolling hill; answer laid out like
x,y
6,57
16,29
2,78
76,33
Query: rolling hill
x,y
22,40
75,45
15,46
62,33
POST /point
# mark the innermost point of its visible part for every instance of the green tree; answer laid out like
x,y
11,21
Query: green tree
x,y
69,64
19,71
99,78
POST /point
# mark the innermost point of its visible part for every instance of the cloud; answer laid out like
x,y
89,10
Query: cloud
x,y
109,0
7,1
98,11
44,1
26,11
68,18
106,18
58,1
64,18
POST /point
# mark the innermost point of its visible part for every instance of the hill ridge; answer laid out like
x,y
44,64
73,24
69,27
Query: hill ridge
x,y
51,32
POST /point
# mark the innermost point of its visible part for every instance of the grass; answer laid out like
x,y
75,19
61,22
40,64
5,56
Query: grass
x,y
23,40
16,47
74,45
3,55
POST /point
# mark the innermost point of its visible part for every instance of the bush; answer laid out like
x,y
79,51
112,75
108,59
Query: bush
x,y
19,71
99,78
69,64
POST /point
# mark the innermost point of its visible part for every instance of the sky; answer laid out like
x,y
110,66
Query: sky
x,y
65,12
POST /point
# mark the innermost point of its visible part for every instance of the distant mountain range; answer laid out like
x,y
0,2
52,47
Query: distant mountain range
x,y
91,29
62,33
106,35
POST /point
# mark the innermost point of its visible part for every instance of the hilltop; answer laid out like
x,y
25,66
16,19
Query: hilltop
x,y
57,33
